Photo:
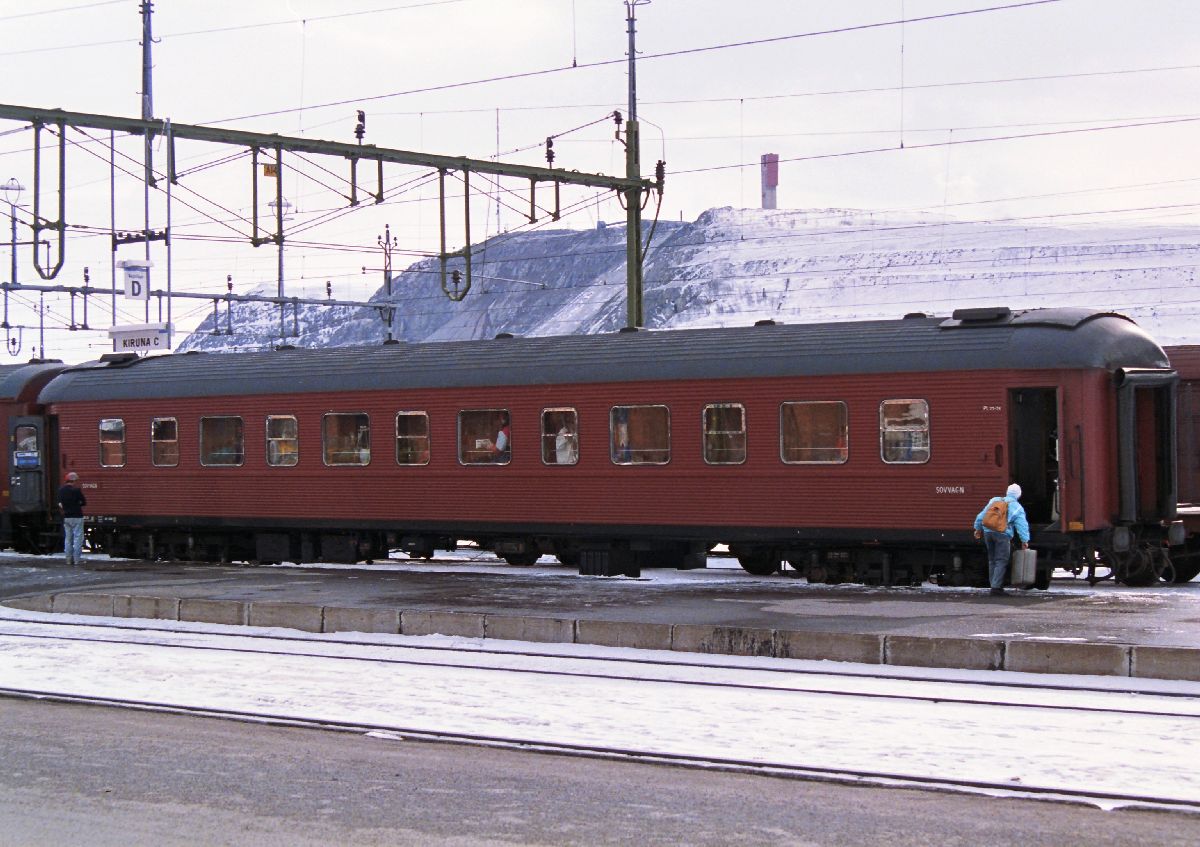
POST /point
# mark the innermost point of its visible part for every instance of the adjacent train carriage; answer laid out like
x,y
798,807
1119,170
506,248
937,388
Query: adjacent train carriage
x,y
27,521
1186,362
851,451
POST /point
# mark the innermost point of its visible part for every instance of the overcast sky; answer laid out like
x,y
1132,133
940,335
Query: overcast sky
x,y
878,115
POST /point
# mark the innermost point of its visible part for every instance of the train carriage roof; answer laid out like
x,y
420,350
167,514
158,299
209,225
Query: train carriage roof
x,y
17,381
972,339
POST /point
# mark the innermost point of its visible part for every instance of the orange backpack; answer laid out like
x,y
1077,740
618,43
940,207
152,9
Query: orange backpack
x,y
995,517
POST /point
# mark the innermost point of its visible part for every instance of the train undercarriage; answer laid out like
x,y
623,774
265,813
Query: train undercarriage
x,y
1094,557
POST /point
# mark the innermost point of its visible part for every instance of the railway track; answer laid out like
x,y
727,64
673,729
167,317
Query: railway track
x,y
733,765
683,679
776,679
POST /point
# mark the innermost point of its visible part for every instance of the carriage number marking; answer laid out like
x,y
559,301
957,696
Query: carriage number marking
x,y
993,408
950,489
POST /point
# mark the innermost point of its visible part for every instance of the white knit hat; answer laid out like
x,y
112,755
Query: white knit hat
x,y
1014,491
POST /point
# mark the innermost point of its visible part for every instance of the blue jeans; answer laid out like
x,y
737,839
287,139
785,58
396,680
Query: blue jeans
x,y
73,540
999,547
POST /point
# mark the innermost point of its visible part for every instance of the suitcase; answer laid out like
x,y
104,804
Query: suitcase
x,y
1023,571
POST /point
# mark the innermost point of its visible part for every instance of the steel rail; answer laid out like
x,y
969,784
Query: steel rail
x,y
814,773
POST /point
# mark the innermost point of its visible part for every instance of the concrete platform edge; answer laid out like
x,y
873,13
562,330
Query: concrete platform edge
x,y
1027,656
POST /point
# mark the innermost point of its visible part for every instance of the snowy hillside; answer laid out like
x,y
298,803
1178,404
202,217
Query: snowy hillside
x,y
794,265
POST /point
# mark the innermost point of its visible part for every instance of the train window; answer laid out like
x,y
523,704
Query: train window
x,y
283,441
26,455
560,436
222,443
483,437
346,438
640,435
725,433
814,432
26,438
412,438
164,442
112,443
904,431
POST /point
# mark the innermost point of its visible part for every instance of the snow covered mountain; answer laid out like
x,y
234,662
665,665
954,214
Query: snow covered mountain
x,y
736,266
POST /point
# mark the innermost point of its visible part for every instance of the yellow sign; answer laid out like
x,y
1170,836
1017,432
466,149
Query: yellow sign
x,y
270,170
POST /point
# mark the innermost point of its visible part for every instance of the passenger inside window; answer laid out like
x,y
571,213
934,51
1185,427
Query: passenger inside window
x,y
640,435
483,437
560,438
499,447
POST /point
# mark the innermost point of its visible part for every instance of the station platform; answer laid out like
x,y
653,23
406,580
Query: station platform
x,y
1072,628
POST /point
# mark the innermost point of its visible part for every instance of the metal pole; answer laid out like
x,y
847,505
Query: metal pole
x,y
147,114
112,217
633,196
12,214
279,232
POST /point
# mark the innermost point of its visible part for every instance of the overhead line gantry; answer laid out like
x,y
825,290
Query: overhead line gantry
x,y
631,187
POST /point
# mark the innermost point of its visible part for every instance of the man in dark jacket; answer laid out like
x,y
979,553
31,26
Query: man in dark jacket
x,y
72,501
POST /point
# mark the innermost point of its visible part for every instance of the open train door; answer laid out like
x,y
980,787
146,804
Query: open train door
x,y
1147,482
1146,446
27,464
1033,453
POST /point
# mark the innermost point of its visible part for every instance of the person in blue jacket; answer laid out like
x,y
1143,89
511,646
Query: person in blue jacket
x,y
999,544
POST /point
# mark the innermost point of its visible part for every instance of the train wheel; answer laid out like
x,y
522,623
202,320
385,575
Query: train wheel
x,y
760,563
1137,568
522,560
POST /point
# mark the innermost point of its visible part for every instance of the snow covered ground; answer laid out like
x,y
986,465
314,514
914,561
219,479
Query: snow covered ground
x,y
473,690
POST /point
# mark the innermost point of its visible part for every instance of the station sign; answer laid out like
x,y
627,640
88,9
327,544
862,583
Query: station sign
x,y
140,338
137,278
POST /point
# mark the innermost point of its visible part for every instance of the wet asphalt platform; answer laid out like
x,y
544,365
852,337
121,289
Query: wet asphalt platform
x,y
1072,628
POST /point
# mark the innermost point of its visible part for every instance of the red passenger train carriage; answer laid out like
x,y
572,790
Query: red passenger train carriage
x,y
1185,359
853,451
29,465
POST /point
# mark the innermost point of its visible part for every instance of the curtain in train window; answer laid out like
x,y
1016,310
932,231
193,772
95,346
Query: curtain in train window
x,y
112,443
283,441
164,442
222,443
483,437
725,434
904,431
346,437
412,438
560,436
814,432
640,435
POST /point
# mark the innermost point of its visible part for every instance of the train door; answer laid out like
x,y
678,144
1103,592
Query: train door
x,y
1146,446
1033,451
1189,441
27,464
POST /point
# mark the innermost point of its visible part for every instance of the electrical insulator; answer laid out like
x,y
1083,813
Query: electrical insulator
x,y
361,128
456,278
229,283
617,119
660,173
550,150
328,289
